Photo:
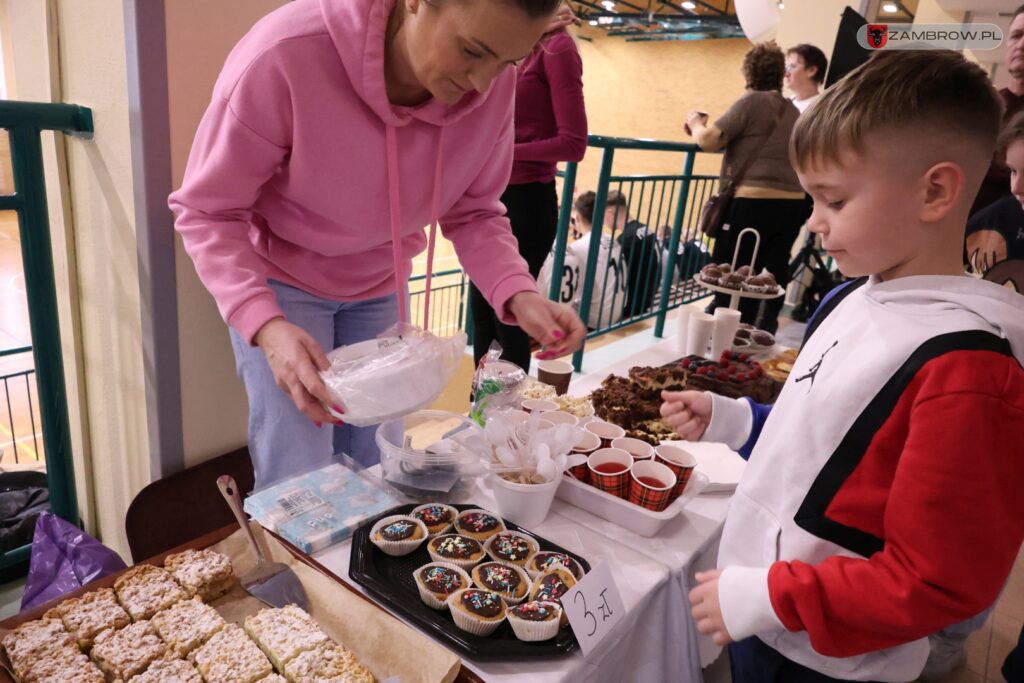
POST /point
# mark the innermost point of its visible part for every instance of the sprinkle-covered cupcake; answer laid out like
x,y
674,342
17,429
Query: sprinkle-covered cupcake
x,y
437,516
511,546
551,586
458,550
398,534
477,611
507,580
478,524
438,581
547,560
533,621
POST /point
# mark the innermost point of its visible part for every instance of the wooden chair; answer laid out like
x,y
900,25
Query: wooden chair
x,y
184,506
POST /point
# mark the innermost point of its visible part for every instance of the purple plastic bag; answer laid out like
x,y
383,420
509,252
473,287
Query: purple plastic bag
x,y
64,558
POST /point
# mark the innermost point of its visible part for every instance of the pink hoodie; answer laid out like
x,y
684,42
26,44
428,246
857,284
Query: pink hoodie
x,y
288,176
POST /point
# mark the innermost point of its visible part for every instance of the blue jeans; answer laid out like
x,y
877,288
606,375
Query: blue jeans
x,y
284,442
752,661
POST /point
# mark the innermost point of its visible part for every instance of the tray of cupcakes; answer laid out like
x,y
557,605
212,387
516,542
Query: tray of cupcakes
x,y
480,584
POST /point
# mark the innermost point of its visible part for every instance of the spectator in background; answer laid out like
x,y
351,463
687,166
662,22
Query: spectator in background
x,y
805,73
997,182
641,250
550,126
609,292
769,198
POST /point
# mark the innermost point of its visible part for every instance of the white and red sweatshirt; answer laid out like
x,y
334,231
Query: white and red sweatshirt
x,y
884,498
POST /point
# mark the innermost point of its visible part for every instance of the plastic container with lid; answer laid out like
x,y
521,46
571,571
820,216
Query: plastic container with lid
x,y
426,455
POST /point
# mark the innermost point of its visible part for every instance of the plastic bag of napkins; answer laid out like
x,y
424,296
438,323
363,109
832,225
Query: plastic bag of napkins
x,y
315,510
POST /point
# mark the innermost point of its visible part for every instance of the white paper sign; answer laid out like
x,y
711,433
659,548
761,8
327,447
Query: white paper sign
x,y
594,607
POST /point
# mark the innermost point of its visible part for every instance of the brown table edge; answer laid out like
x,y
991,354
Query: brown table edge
x,y
204,541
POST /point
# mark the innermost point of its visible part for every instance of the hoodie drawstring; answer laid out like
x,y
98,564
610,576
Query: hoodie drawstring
x,y
394,197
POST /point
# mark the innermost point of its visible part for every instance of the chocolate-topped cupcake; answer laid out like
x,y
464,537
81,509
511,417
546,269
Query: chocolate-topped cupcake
x,y
547,560
398,534
459,550
534,621
731,281
508,580
437,581
511,546
478,611
551,586
437,516
478,524
398,531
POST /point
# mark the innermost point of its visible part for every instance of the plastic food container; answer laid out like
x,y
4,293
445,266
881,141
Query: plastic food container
x,y
423,455
627,515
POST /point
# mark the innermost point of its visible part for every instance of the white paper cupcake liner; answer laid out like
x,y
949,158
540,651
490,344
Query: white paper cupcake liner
x,y
482,536
448,527
576,569
469,623
523,576
533,631
429,598
461,564
398,548
534,547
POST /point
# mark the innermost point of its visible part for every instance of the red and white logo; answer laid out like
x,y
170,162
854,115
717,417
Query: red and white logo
x,y
878,35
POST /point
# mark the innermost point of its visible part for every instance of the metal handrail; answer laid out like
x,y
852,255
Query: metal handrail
x,y
24,122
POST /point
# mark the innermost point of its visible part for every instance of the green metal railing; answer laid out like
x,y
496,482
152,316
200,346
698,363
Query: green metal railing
x,y
449,301
663,249
24,122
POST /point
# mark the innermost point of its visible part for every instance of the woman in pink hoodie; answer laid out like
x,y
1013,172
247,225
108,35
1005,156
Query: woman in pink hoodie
x,y
337,130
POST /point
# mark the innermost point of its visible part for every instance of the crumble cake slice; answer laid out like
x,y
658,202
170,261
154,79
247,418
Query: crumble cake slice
x,y
330,663
145,590
230,657
88,616
284,633
205,573
169,671
187,624
126,653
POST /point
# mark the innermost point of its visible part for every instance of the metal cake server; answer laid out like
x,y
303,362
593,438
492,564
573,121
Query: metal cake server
x,y
272,582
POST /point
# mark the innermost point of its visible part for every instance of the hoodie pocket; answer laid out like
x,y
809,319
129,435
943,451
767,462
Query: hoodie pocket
x,y
751,535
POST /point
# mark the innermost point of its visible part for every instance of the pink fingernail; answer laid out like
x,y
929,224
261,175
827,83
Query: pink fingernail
x,y
339,423
338,409
557,334
318,425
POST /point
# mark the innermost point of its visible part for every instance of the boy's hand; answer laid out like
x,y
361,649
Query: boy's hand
x,y
707,611
688,412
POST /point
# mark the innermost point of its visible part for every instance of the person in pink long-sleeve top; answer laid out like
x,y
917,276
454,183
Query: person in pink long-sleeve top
x,y
337,130
550,126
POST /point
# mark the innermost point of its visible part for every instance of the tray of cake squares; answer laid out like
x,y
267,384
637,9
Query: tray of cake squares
x,y
189,621
480,584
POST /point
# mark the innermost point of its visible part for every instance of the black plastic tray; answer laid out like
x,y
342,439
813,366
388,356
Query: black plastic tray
x,y
390,580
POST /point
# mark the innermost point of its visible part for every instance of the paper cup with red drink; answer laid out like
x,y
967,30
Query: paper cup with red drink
x,y
609,470
651,484
681,463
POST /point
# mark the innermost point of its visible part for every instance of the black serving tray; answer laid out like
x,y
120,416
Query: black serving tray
x,y
390,580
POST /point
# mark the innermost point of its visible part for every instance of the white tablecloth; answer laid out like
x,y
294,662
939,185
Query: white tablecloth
x,y
657,641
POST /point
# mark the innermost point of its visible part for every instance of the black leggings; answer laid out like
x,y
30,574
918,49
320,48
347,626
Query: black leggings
x,y
533,212
778,221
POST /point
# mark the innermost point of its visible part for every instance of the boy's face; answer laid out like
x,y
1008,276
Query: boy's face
x,y
1015,160
863,209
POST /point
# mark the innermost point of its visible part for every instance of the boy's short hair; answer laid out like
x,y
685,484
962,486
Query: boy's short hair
x,y
617,198
900,90
812,56
1012,131
584,205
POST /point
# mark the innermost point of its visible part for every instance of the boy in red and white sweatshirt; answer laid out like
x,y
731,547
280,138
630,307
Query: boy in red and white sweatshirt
x,y
881,502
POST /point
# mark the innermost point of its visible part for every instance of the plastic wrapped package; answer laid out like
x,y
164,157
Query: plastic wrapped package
x,y
496,384
402,371
64,558
317,509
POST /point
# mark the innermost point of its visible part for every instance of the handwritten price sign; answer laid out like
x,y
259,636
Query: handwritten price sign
x,y
594,607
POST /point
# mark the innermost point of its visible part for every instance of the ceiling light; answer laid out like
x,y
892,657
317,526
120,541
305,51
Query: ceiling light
x,y
890,8
593,22
782,5
606,20
608,5
689,5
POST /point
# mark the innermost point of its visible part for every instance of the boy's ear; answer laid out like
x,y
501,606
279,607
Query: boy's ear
x,y
943,190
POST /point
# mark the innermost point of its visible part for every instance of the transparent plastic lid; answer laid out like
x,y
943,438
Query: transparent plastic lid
x,y
430,437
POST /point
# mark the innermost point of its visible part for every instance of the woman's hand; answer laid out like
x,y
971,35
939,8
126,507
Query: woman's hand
x,y
562,18
696,119
688,412
555,326
295,359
